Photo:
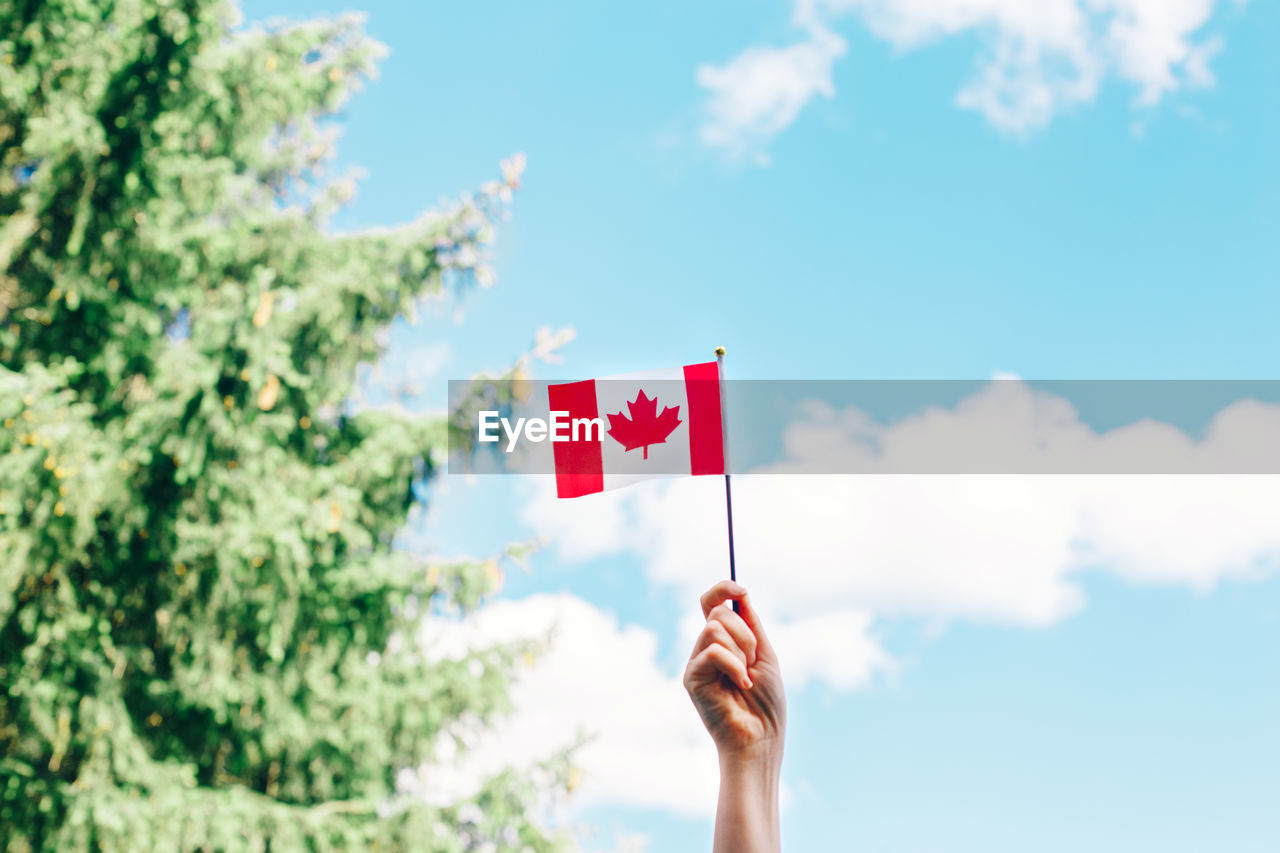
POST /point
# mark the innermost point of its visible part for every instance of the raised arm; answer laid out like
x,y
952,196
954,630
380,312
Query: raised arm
x,y
735,683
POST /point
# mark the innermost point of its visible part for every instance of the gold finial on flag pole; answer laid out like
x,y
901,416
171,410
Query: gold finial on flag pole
x,y
720,352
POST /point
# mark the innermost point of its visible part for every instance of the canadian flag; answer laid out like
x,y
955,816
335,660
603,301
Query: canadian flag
x,y
653,424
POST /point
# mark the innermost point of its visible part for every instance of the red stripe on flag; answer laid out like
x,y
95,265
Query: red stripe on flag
x,y
579,464
706,429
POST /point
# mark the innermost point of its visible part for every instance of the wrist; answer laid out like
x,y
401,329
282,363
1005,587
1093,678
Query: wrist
x,y
761,757
753,774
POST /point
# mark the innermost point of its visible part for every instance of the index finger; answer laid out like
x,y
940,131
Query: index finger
x,y
731,591
720,593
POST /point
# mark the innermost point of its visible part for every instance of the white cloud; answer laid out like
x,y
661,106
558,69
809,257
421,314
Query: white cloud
x,y
818,550
1038,58
762,90
1199,74
599,679
1151,41
1007,427
630,842
810,546
828,556
836,647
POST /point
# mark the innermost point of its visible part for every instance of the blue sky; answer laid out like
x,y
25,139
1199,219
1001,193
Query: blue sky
x,y
865,220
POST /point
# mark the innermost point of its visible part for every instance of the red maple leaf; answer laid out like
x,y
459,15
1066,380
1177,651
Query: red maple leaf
x,y
645,426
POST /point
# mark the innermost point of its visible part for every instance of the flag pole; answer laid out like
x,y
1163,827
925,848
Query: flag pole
x,y
728,488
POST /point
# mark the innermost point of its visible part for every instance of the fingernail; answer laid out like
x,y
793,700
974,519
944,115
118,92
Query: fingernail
x,y
747,686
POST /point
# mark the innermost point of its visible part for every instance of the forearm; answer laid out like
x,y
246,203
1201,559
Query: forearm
x,y
747,814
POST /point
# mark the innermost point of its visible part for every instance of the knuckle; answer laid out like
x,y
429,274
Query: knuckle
x,y
690,671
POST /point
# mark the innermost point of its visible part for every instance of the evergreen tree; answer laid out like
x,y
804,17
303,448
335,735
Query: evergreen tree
x,y
201,604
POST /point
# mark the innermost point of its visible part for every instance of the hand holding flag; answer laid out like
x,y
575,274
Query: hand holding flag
x,y
735,682
733,677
